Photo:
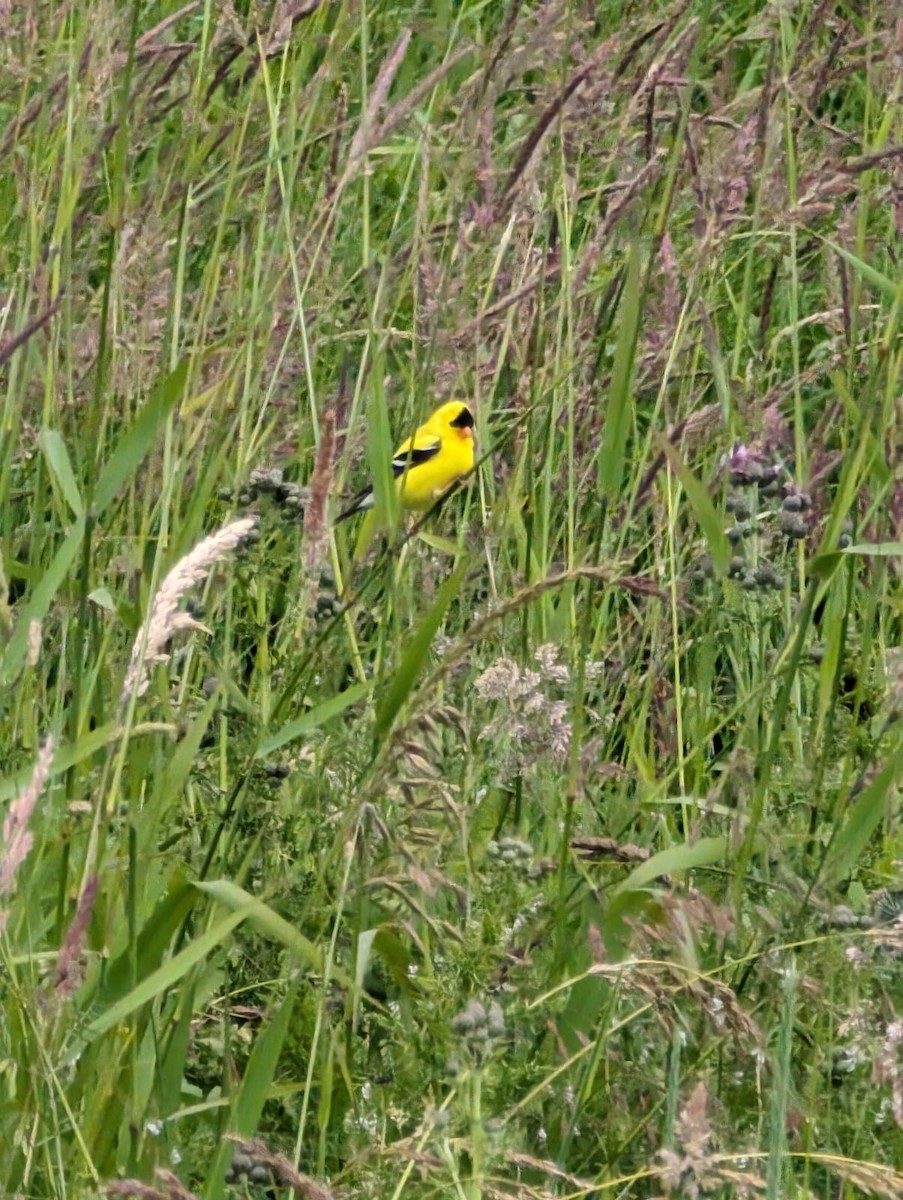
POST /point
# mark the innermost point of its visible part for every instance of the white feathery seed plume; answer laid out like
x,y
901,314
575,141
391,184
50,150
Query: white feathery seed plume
x,y
33,653
17,837
164,618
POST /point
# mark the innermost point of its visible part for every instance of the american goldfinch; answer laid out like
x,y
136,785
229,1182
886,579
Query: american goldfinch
x,y
427,464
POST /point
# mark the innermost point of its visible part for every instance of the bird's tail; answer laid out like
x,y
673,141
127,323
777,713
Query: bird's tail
x,y
360,503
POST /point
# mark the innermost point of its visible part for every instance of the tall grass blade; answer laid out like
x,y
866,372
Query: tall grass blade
x,y
58,461
269,922
704,510
405,674
38,604
860,823
164,978
141,436
676,858
618,412
889,288
301,726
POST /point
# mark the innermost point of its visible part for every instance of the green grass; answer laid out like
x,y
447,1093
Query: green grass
x,y
552,847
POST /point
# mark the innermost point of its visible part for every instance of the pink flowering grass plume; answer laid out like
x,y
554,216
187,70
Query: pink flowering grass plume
x,y
745,464
168,1187
165,618
17,837
69,960
316,531
255,1152
691,1168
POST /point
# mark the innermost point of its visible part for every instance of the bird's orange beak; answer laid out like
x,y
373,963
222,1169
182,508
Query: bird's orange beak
x,y
466,433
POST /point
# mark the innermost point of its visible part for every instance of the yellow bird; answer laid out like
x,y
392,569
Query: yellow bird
x,y
429,462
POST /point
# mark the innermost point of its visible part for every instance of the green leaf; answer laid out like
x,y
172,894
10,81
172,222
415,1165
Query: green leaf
x,y
823,566
35,608
863,819
701,503
408,669
141,436
175,1056
103,599
165,790
365,940
161,980
486,818
185,756
57,457
676,858
398,960
442,544
380,449
309,721
64,758
156,934
890,288
269,922
716,361
261,1069
875,549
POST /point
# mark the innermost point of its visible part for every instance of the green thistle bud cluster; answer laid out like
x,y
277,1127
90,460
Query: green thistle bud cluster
x,y
477,1027
245,1167
510,852
326,601
274,773
769,516
792,522
771,513
704,570
269,481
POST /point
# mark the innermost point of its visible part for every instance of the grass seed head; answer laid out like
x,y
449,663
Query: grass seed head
x,y
165,619
17,837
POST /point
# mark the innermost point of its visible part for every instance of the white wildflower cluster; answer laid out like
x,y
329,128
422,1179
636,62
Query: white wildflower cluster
x,y
865,1037
854,1042
888,1067
524,918
530,718
854,956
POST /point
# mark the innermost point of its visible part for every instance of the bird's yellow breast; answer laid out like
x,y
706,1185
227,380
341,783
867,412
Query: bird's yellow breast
x,y
422,484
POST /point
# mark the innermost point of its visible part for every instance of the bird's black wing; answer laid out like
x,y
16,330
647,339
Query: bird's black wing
x,y
414,457
400,463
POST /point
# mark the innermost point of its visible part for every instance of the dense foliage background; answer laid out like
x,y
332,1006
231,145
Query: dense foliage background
x,y
548,847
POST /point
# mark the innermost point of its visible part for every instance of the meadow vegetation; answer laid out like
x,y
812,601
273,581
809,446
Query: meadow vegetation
x,y
551,847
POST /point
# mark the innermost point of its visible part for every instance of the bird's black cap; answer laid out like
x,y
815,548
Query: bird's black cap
x,y
464,419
